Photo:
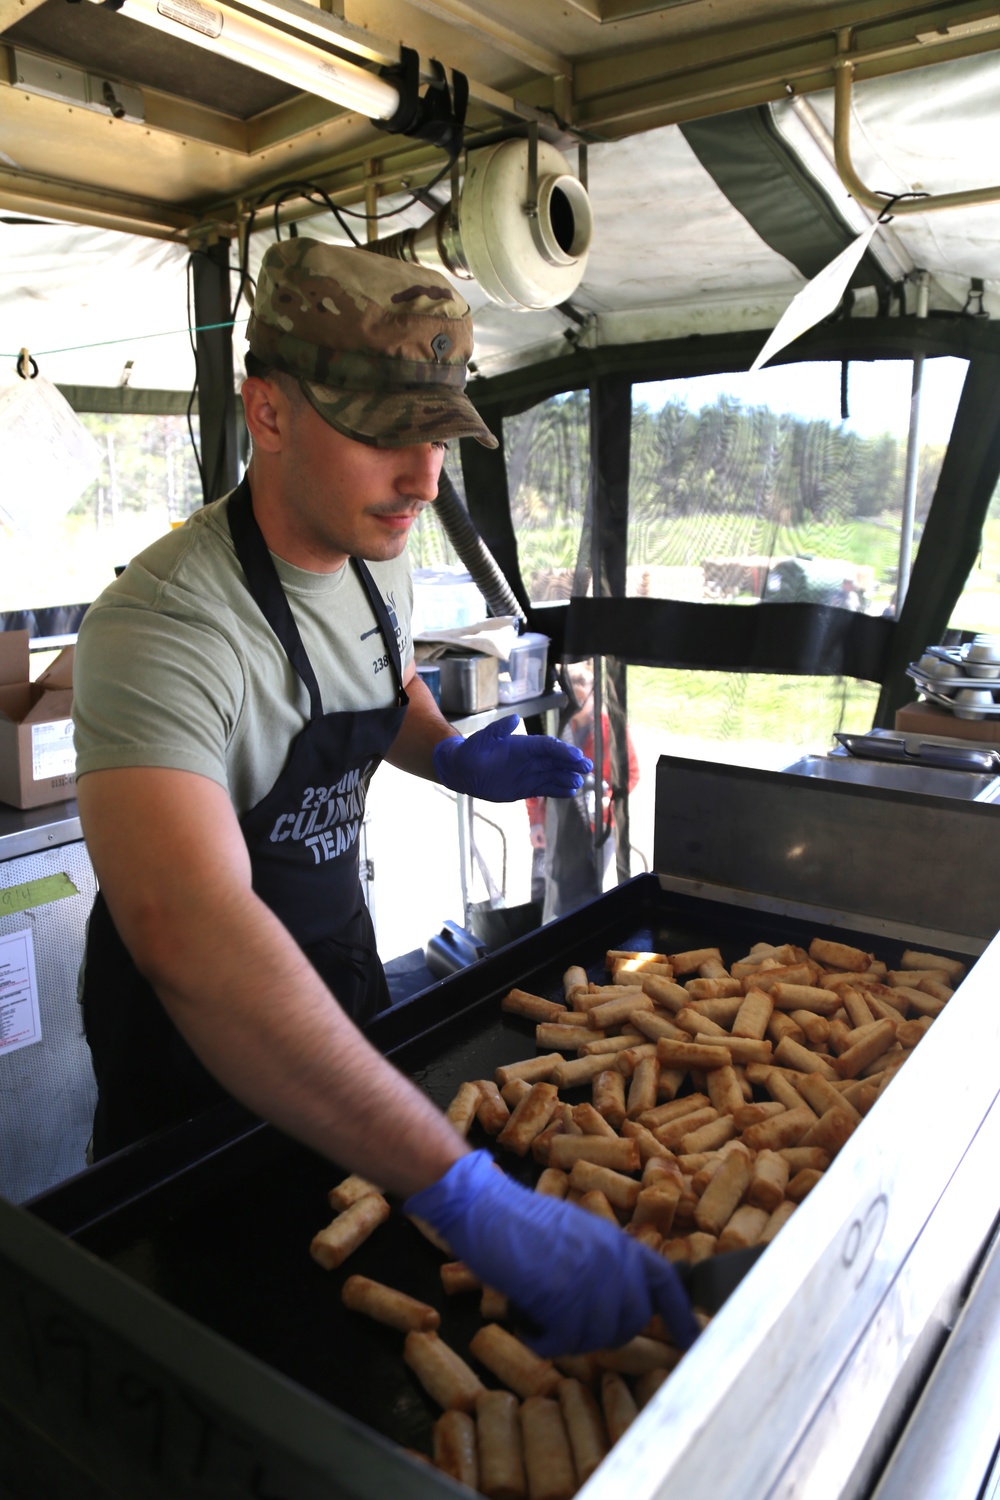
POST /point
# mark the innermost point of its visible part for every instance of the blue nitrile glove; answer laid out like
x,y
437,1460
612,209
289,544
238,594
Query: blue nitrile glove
x,y
492,765
583,1282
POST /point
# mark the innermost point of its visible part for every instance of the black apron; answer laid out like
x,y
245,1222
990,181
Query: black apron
x,y
303,842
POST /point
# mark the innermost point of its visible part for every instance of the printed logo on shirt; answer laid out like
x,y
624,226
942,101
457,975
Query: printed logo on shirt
x,y
329,820
383,661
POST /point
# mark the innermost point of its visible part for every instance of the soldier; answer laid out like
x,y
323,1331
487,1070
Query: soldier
x,y
235,691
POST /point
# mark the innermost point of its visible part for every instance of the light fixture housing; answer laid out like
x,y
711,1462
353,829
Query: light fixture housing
x,y
247,40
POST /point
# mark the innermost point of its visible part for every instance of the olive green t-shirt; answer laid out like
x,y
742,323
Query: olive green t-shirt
x,y
176,667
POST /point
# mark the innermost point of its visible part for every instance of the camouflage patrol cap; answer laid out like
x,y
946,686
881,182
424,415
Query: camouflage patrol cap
x,y
379,347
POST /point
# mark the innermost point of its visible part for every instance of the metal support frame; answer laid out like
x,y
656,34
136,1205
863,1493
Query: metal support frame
x,y
842,89
214,363
912,453
610,431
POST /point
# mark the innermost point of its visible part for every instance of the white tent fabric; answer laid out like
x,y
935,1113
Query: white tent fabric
x,y
933,131
85,301
671,256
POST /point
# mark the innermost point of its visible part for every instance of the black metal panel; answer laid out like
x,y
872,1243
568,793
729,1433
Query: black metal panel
x,y
214,361
922,861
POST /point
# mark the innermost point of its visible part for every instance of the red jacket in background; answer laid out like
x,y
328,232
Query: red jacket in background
x,y
583,738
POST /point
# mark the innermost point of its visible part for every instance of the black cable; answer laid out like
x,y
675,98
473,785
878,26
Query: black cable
x,y
194,387
391,213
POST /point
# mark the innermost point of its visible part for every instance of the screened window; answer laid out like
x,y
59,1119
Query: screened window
x,y
548,475
746,489
148,479
978,606
752,487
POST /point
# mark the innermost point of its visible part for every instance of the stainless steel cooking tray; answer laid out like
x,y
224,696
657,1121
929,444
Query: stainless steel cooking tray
x,y
882,744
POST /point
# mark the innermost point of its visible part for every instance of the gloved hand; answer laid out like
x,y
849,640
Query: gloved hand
x,y
493,766
584,1283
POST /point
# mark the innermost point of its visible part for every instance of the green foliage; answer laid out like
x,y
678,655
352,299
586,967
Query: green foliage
x,y
795,712
772,469
147,462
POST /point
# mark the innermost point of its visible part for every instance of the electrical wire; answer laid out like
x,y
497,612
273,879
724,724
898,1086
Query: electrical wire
x,y
194,388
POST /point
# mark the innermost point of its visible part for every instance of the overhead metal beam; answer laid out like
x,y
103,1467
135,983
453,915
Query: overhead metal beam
x,y
52,197
339,35
754,64
16,10
604,11
194,122
485,28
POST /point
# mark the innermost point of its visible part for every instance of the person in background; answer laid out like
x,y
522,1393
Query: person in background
x,y
570,879
235,691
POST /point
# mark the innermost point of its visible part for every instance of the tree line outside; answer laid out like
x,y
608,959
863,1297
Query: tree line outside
x,y
147,479
725,480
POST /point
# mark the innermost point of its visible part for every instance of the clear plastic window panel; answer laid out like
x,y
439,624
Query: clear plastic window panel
x,y
445,595
978,606
548,476
147,481
748,489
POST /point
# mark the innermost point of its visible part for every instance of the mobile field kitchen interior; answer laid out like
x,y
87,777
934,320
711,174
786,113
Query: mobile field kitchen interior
x,y
772,593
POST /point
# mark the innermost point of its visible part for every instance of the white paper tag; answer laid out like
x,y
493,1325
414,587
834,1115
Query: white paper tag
x,y
817,299
20,1022
52,750
203,18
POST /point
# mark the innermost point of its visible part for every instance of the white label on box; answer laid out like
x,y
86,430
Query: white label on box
x,y
20,1022
52,750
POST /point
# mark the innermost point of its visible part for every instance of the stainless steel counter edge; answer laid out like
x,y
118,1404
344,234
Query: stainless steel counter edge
x,y
876,927
30,830
730,1418
859,1421
951,1439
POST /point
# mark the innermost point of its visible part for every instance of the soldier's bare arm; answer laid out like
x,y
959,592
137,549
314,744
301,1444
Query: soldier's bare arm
x,y
174,870
423,728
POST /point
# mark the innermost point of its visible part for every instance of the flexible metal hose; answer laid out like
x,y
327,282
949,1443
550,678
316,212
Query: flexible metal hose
x,y
459,528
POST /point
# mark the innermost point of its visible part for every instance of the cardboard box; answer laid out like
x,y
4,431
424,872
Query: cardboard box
x,y
928,718
37,757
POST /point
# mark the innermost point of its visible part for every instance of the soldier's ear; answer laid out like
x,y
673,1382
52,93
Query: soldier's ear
x,y
267,410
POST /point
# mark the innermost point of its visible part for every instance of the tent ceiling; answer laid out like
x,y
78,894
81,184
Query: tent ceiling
x,y
212,135
672,255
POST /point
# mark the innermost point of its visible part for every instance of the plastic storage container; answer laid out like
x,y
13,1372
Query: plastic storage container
x,y
523,676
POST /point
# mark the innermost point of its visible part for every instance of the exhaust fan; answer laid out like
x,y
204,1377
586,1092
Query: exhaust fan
x,y
522,228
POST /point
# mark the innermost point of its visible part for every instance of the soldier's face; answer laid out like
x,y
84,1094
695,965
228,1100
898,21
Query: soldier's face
x,y
345,499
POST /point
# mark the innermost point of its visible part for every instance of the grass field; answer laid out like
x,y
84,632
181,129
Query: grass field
x,y
797,713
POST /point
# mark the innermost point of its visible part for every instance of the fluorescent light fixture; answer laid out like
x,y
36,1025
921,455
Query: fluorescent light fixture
x,y
255,44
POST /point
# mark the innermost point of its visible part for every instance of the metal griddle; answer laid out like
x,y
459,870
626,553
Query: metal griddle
x,y
217,1217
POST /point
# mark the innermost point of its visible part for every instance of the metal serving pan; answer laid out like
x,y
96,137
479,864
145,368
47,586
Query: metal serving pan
x,y
184,1284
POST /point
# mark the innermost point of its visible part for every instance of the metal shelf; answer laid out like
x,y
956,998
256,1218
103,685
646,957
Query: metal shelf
x,y
37,828
525,709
